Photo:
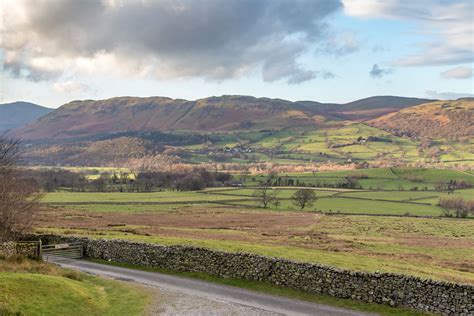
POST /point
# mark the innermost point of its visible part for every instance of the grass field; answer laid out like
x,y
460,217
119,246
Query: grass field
x,y
422,203
355,141
379,178
432,248
37,288
230,219
385,191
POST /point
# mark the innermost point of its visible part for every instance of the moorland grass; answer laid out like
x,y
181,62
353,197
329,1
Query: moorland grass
x,y
374,245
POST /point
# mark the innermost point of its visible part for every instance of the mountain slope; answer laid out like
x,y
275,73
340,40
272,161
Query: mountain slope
x,y
368,108
17,114
86,119
439,119
124,114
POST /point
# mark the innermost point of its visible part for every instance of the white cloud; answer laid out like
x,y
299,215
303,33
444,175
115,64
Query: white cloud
x,y
447,95
458,73
163,39
449,25
70,87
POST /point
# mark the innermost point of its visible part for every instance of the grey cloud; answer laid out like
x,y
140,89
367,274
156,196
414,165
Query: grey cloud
x,y
213,39
342,44
282,64
377,48
300,76
18,69
326,74
377,72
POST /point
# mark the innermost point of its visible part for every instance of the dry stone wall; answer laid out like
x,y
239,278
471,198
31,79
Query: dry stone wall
x,y
385,288
26,249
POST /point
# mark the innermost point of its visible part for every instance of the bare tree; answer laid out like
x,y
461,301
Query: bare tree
x,y
9,157
19,198
304,197
265,195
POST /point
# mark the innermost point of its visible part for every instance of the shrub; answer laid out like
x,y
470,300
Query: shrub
x,y
457,207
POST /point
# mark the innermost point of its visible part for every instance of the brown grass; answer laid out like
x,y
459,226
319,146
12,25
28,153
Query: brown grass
x,y
20,264
418,242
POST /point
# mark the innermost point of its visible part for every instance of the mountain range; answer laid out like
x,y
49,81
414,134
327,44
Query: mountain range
x,y
157,131
79,119
17,114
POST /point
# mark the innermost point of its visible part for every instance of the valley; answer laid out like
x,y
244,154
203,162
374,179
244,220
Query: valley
x,y
391,187
236,157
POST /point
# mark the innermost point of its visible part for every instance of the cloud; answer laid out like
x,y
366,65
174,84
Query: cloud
x,y
376,72
447,95
71,86
326,74
341,44
458,73
447,24
164,39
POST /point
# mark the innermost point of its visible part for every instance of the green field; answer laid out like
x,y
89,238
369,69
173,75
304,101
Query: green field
x,y
356,142
349,228
385,191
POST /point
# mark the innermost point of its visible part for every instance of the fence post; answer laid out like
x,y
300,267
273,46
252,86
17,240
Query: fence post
x,y
40,248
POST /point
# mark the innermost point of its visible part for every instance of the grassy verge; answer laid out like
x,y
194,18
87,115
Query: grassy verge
x,y
276,290
37,288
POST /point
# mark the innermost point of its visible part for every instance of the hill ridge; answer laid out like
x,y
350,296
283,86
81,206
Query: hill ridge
x,y
80,118
438,119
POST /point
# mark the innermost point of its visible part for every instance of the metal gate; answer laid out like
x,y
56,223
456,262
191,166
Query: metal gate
x,y
71,250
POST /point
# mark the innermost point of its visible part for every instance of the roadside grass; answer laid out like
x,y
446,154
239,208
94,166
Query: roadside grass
x,y
278,291
37,288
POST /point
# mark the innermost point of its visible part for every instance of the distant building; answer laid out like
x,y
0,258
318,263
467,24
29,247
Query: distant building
x,y
237,149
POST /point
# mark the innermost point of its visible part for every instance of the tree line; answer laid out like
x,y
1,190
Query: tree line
x,y
196,179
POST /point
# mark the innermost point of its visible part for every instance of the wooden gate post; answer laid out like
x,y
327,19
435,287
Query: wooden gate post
x,y
40,248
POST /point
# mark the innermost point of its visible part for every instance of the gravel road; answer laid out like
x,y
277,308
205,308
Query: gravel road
x,y
185,296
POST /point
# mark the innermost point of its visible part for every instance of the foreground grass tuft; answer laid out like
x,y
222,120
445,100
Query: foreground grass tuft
x,y
38,288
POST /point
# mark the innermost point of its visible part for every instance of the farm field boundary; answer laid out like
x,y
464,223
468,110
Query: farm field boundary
x,y
384,288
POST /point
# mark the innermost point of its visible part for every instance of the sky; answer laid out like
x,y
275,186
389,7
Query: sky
x,y
56,51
